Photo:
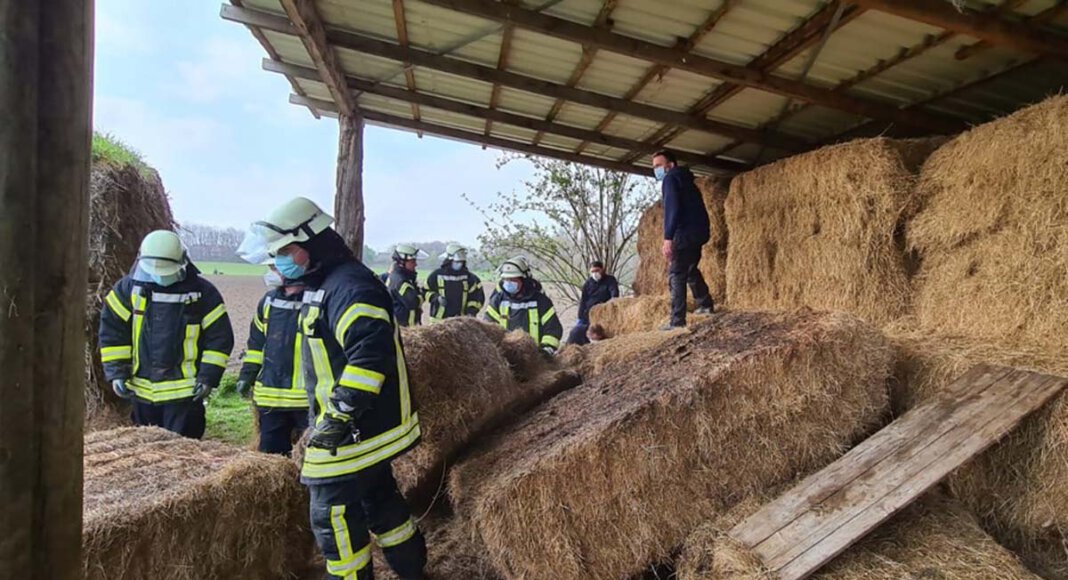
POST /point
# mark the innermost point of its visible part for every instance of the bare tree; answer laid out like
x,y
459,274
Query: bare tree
x,y
567,216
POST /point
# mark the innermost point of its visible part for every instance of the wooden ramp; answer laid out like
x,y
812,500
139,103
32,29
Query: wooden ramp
x,y
827,512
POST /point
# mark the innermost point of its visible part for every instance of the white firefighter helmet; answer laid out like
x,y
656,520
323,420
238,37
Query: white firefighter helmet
x,y
405,252
517,267
455,252
297,220
162,254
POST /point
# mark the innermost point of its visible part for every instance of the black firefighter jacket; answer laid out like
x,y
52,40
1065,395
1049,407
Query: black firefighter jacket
x,y
273,357
531,311
454,293
407,297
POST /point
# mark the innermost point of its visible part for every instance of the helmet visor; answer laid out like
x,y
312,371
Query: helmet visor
x,y
157,266
254,247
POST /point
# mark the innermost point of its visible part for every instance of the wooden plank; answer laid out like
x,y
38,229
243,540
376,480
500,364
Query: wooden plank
x,y
401,21
348,199
1047,15
819,486
305,17
806,527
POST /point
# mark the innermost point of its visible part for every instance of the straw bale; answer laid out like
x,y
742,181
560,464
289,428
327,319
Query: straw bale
x,y
632,314
651,278
463,385
993,231
935,537
592,359
519,349
165,507
609,477
1019,487
124,206
824,230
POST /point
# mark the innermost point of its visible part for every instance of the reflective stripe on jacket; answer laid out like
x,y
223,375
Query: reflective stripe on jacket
x,y
164,340
350,341
273,357
407,298
461,291
532,312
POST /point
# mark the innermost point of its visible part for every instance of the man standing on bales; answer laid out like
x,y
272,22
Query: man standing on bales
x,y
519,303
453,289
357,382
165,337
686,230
599,288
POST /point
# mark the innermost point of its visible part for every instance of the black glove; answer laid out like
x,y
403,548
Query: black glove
x,y
119,386
202,391
244,388
332,431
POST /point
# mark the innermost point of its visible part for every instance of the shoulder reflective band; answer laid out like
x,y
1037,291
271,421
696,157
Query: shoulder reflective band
x,y
353,313
214,357
214,315
355,377
549,314
397,535
114,353
117,306
284,304
185,298
254,356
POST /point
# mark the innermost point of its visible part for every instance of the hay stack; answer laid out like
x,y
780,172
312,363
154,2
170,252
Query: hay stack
x,y
124,206
632,314
651,278
1019,487
609,477
451,553
935,537
993,232
463,385
161,506
823,230
593,359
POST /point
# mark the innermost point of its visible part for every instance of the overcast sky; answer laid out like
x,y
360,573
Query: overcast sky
x,y
185,88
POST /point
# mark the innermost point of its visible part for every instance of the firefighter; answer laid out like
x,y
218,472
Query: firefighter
x,y
165,337
519,303
271,372
357,382
453,289
403,286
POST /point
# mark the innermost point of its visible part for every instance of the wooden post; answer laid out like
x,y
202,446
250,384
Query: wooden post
x,y
348,201
46,55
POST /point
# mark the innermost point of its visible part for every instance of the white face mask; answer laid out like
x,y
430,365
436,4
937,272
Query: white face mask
x,y
596,276
272,279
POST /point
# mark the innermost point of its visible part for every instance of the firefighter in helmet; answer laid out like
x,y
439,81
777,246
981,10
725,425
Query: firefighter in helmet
x,y
519,303
403,286
454,290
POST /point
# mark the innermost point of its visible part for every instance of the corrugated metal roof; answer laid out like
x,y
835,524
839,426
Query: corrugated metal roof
x,y
933,80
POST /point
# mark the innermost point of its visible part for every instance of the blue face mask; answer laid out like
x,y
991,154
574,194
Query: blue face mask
x,y
659,172
510,286
457,266
288,268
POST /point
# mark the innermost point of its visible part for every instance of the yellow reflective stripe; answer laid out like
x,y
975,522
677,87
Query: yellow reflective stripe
x,y
214,357
397,535
492,312
548,315
265,396
353,313
550,341
214,315
402,378
113,353
162,391
363,379
117,306
298,365
532,324
360,463
260,325
322,457
411,318
139,304
189,365
324,374
350,563
402,290
254,356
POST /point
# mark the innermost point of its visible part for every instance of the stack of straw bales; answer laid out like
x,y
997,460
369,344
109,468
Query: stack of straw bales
x,y
651,278
161,506
823,230
934,538
593,359
734,407
464,385
125,204
632,314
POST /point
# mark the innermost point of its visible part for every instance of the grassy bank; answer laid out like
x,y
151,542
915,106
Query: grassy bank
x,y
229,416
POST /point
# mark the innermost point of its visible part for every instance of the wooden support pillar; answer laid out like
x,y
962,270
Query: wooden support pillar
x,y
46,56
348,201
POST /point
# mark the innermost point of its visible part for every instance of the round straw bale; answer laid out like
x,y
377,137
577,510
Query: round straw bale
x,y
125,204
609,477
935,537
1019,487
823,230
993,231
161,506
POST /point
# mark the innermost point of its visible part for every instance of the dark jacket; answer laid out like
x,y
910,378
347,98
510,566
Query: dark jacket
x,y
407,297
594,293
685,217
454,292
531,312
272,360
352,352
165,340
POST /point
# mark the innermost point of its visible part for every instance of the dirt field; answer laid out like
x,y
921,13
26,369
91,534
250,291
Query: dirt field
x,y
242,293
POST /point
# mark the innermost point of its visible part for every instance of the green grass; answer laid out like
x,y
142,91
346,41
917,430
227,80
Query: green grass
x,y
232,268
229,416
109,148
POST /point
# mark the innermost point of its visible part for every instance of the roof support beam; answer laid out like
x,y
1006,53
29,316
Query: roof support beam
x,y
1047,15
519,82
402,37
685,60
474,138
495,115
502,64
309,25
988,27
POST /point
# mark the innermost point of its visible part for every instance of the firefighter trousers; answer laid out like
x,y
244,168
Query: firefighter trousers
x,y
278,428
345,514
185,417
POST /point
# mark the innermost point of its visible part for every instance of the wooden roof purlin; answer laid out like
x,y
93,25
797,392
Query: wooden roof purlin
x,y
606,82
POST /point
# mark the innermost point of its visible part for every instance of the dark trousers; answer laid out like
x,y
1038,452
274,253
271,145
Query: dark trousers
x,y
343,513
277,427
578,334
682,272
185,418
